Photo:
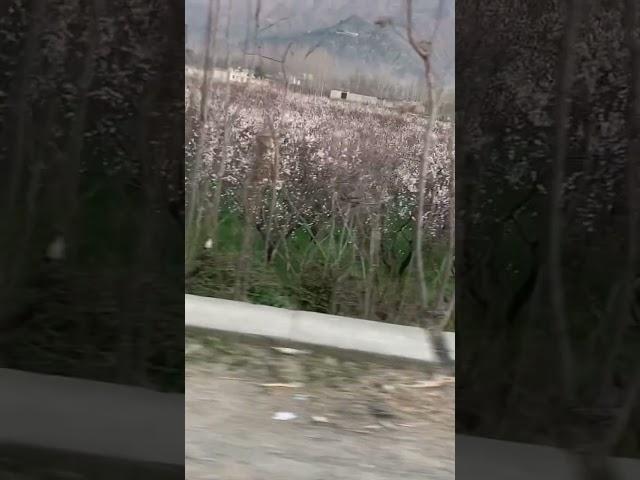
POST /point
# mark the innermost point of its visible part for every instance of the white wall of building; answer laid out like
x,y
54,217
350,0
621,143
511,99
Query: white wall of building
x,y
235,75
353,97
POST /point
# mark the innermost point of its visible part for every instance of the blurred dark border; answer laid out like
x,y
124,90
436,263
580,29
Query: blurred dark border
x,y
547,203
91,229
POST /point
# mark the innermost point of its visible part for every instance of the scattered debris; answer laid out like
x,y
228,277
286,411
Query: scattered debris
x,y
284,416
387,424
379,411
431,383
208,244
282,385
300,396
388,388
236,379
330,361
320,419
291,351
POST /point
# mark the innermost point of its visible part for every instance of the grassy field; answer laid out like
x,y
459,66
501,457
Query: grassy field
x,y
316,277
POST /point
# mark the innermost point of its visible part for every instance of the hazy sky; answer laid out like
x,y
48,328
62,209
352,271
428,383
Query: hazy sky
x,y
312,14
304,15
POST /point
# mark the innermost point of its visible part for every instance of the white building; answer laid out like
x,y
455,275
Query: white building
x,y
293,80
236,75
352,97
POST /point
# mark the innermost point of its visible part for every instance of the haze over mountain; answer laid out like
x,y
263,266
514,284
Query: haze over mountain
x,y
309,22
360,45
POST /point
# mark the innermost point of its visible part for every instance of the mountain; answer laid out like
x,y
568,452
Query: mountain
x,y
356,45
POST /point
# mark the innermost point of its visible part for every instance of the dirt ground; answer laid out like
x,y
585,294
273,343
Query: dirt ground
x,y
353,419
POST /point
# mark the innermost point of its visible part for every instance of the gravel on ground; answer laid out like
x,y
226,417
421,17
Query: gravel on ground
x,y
343,419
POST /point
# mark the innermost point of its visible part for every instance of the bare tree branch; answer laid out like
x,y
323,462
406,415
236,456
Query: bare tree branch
x,y
423,49
227,121
621,318
271,25
251,54
194,208
313,49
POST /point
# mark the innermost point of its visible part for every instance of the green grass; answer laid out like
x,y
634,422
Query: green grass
x,y
326,275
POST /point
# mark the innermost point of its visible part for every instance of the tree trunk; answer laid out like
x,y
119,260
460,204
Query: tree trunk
x,y
194,213
566,71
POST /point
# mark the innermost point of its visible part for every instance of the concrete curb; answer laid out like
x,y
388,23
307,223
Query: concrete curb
x,y
499,460
91,418
309,328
